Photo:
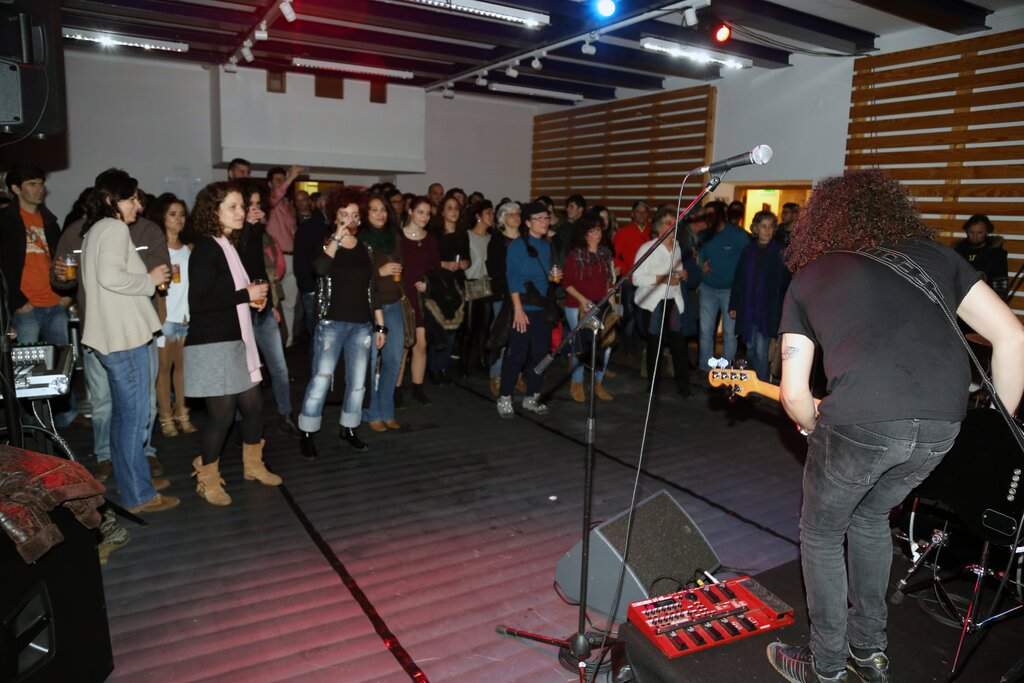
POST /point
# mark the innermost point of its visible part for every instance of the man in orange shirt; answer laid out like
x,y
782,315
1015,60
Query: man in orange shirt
x,y
28,237
628,239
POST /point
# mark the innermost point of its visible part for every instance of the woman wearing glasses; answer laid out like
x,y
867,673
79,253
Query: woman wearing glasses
x,y
349,321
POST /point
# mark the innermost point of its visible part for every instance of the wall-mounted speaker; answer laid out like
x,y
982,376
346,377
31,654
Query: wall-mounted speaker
x,y
32,94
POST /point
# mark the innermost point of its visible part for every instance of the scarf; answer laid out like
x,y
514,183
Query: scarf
x,y
381,239
241,280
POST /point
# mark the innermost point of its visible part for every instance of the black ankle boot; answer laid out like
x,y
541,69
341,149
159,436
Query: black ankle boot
x,y
307,447
420,395
348,435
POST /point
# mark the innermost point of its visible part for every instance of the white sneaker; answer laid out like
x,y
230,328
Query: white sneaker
x,y
533,405
505,407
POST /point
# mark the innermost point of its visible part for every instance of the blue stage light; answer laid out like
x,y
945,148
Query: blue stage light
x,y
606,8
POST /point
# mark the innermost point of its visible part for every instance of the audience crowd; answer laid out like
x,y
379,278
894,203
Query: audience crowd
x,y
401,288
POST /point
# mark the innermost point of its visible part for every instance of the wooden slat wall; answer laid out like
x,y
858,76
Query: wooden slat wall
x,y
948,121
618,152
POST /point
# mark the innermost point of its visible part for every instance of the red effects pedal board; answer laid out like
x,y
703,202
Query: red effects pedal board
x,y
715,614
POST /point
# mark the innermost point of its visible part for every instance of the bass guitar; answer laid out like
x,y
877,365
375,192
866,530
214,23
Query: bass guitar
x,y
981,478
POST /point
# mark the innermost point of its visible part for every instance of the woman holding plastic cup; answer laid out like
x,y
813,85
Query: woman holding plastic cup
x,y
381,235
222,362
170,213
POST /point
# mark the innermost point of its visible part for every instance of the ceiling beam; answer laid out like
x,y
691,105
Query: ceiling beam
x,y
270,50
591,92
760,55
791,24
642,60
952,16
598,74
165,12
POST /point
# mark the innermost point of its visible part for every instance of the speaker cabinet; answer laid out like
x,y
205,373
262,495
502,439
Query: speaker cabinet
x,y
53,616
667,549
32,93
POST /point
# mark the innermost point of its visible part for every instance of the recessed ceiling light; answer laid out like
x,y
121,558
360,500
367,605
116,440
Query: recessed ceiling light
x,y
535,92
513,15
351,68
117,39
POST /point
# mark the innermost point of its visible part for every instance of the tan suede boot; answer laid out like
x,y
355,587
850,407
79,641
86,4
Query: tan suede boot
x,y
209,485
576,391
601,393
252,460
167,427
184,423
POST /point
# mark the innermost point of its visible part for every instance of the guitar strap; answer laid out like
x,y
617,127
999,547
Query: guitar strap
x,y
908,269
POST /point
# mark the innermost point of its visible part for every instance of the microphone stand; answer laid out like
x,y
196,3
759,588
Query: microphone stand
x,y
579,645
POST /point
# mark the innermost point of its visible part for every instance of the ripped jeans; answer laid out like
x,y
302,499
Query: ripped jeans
x,y
331,339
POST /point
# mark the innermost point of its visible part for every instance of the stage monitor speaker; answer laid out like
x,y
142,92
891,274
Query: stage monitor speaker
x,y
667,549
32,94
53,616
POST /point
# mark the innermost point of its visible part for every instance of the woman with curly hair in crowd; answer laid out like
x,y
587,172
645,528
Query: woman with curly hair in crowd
x,y
349,322
222,362
120,327
170,213
588,276
381,234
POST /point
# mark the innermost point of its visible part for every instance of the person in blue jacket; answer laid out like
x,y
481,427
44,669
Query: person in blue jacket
x,y
720,254
528,269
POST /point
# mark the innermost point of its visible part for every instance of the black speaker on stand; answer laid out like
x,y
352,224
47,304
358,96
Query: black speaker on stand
x,y
32,93
53,614
667,549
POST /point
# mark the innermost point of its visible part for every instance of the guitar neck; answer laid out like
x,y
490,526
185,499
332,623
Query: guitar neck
x,y
743,382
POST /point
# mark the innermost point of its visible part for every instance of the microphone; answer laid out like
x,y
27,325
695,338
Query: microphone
x,y
760,155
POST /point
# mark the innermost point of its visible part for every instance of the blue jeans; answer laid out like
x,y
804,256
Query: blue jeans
x,y
99,396
855,474
331,339
268,340
757,354
525,350
48,324
712,302
572,316
128,374
382,386
309,312
154,367
440,353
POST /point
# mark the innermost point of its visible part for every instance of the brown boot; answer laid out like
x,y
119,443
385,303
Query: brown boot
x,y
576,391
252,460
601,393
167,427
184,423
209,485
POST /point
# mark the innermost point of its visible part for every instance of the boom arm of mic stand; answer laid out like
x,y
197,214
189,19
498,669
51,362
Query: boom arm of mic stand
x,y
590,319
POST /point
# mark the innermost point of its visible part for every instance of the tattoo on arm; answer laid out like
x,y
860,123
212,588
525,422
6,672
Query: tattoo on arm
x,y
789,351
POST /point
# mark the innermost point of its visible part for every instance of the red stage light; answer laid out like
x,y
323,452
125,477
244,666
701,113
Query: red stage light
x,y
722,33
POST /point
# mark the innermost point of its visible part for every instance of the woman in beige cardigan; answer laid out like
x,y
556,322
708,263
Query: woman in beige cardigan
x,y
119,328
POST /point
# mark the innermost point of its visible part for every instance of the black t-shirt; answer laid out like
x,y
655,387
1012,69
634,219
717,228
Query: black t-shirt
x,y
353,276
889,353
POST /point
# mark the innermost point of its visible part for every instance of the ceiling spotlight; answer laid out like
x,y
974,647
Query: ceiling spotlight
x,y
606,8
511,71
690,17
261,32
232,66
587,48
536,64
448,93
247,51
722,33
481,79
287,10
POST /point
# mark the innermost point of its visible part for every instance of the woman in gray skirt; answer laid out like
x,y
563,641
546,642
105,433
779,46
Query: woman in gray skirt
x,y
222,364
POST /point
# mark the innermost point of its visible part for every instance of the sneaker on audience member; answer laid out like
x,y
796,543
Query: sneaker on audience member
x,y
505,407
533,405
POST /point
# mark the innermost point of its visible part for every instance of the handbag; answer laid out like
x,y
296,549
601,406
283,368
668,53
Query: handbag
x,y
479,288
409,318
609,333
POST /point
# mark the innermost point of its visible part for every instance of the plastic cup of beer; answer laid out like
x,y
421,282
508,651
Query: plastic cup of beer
x,y
259,302
70,267
397,276
176,273
555,275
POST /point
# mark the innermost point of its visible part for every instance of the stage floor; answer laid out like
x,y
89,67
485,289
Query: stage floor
x,y
397,564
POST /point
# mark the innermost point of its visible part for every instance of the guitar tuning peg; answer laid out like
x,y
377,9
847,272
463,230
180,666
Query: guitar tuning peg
x,y
741,364
723,363
713,363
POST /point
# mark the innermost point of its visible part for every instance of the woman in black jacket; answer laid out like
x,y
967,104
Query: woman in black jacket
x,y
222,363
349,321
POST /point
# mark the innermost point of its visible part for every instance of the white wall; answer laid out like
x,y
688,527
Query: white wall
x,y
476,143
147,116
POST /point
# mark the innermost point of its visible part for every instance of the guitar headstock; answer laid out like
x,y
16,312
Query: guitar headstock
x,y
740,380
